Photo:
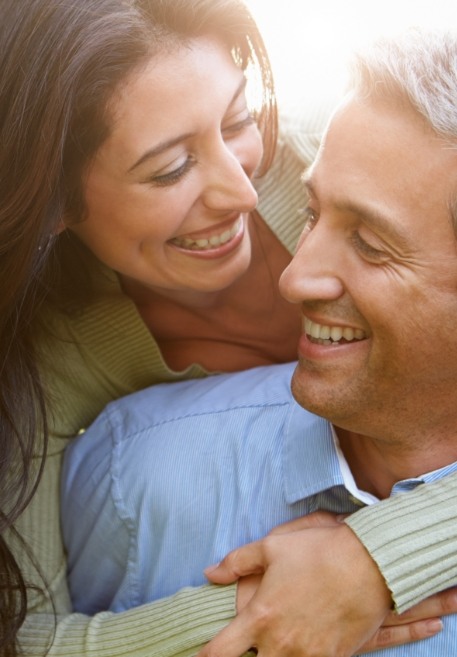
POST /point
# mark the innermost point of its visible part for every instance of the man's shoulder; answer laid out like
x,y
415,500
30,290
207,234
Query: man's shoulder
x,y
220,393
197,407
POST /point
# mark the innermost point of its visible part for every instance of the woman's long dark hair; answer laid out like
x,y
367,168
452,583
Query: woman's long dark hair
x,y
60,61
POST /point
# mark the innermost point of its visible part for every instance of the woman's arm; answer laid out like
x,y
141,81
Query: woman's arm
x,y
413,540
319,582
175,627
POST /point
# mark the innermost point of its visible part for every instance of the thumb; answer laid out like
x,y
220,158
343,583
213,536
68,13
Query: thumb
x,y
247,560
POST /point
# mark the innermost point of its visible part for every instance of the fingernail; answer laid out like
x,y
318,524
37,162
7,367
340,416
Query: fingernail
x,y
210,569
434,625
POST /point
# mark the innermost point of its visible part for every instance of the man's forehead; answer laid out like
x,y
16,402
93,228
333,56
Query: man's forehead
x,y
383,163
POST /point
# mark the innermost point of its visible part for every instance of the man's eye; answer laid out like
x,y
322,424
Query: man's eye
x,y
367,251
310,217
172,177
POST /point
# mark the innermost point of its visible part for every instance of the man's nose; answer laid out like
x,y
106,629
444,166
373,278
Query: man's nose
x,y
314,274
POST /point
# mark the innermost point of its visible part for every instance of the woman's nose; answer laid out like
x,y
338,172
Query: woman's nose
x,y
229,185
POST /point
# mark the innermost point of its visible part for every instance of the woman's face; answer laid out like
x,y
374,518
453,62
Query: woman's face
x,y
169,192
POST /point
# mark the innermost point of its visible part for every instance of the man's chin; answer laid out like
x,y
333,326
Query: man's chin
x,y
305,395
318,397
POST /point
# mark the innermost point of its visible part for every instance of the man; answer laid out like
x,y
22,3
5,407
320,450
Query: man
x,y
378,256
376,278
168,479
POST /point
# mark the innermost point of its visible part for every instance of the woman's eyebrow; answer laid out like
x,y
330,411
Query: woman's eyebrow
x,y
169,143
160,148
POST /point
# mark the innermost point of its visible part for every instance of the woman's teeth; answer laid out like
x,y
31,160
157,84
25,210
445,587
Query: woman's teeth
x,y
203,243
326,335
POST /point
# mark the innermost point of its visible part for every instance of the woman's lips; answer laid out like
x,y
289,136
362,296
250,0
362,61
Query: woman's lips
x,y
213,241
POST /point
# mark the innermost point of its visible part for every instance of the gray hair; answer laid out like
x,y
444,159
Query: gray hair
x,y
418,69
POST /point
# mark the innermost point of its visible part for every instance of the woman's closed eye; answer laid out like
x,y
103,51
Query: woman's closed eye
x,y
174,176
240,125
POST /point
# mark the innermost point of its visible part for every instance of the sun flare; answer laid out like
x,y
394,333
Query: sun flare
x,y
309,43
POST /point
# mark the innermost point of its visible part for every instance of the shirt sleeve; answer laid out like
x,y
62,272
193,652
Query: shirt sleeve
x,y
96,534
175,627
412,537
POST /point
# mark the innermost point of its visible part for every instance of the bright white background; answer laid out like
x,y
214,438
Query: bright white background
x,y
309,41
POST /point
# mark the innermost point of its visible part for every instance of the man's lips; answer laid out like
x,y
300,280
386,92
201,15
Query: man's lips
x,y
325,334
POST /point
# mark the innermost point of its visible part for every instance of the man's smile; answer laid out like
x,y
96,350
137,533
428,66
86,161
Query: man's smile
x,y
330,335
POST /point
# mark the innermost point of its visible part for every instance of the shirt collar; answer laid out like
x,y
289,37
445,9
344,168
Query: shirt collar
x,y
310,463
311,446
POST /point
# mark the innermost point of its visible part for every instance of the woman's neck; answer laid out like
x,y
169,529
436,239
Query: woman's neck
x,y
197,300
245,325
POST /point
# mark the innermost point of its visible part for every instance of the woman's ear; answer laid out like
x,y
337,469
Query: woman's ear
x,y
61,226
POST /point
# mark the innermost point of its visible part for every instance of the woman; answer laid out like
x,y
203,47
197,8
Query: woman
x,y
97,169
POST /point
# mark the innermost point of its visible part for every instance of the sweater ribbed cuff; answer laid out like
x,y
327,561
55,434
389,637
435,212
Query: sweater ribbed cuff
x,y
413,537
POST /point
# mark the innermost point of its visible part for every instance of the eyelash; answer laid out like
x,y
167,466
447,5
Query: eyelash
x,y
367,250
358,242
310,218
173,177
237,127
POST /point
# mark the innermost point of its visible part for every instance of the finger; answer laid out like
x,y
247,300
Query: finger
x,y
440,604
233,641
247,560
387,637
245,590
316,519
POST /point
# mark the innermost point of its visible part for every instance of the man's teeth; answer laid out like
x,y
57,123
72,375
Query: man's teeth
x,y
326,335
212,242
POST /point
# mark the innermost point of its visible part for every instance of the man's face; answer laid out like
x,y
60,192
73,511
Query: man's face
x,y
376,275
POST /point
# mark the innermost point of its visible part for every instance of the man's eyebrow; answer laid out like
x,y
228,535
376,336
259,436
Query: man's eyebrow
x,y
169,143
369,215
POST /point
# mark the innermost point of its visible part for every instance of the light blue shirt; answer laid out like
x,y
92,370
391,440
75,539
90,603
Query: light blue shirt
x,y
170,479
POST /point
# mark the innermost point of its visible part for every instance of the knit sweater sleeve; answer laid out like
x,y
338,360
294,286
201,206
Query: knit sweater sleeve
x,y
109,355
412,537
175,627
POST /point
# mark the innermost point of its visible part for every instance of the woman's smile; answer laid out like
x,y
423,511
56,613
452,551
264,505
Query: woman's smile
x,y
209,242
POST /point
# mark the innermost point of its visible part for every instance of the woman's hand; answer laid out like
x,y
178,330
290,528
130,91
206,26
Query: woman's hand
x,y
317,593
